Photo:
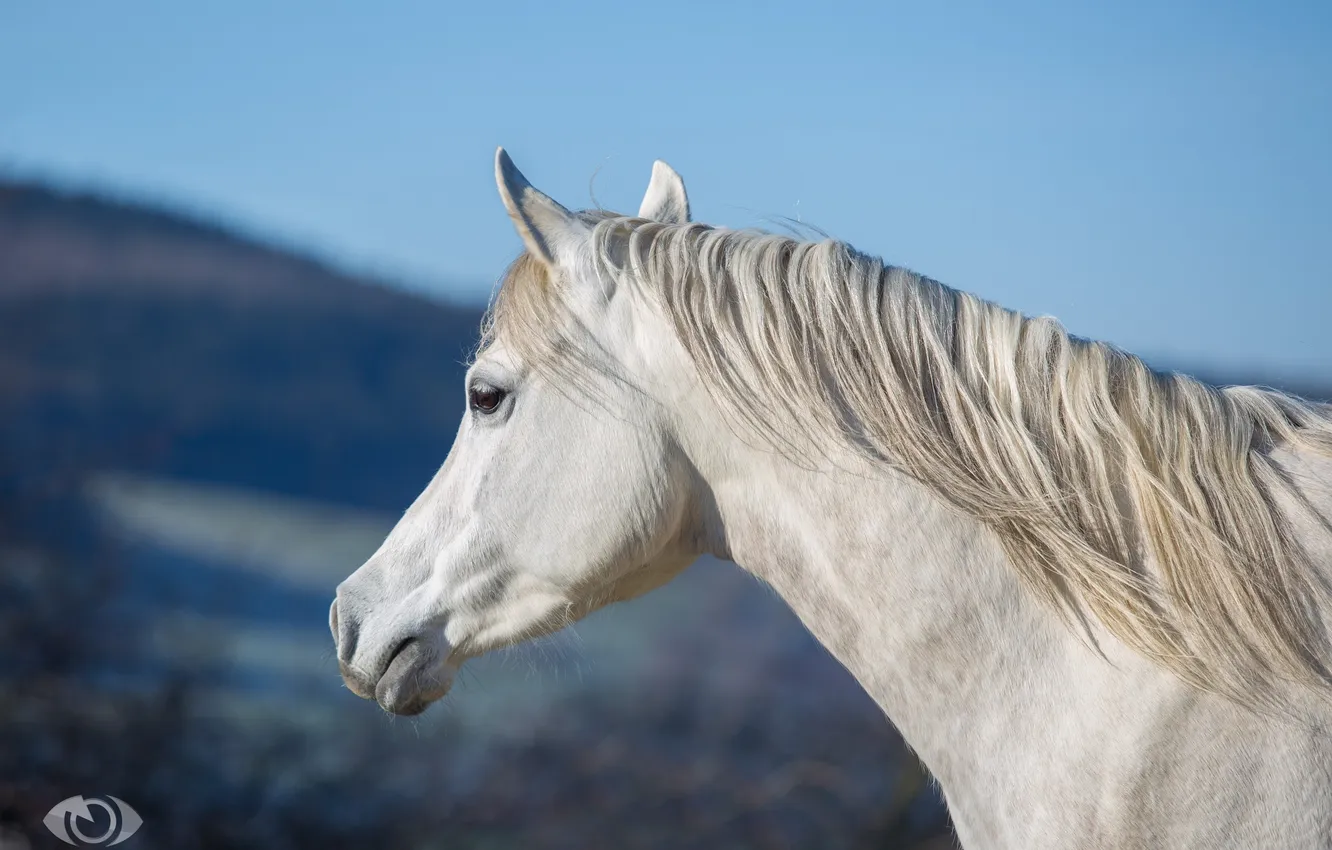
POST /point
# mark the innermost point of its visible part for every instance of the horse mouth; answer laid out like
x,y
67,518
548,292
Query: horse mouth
x,y
416,676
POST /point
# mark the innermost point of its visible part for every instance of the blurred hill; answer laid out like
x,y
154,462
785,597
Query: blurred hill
x,y
141,340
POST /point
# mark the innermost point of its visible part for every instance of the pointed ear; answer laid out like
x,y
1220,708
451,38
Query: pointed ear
x,y
547,229
665,199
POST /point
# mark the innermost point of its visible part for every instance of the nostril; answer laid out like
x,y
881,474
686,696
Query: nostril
x,y
344,630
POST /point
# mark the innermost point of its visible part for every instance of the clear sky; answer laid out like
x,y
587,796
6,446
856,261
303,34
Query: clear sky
x,y
1158,174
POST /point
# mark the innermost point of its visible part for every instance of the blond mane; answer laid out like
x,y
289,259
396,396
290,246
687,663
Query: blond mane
x,y
1145,499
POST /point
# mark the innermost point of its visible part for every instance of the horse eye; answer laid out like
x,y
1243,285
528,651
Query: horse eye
x,y
484,399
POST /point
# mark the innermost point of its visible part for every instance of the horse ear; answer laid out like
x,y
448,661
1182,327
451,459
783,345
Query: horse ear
x,y
665,200
547,229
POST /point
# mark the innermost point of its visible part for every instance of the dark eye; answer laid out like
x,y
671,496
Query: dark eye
x,y
484,398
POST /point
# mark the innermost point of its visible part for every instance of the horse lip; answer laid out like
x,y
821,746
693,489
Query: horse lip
x,y
393,656
365,686
408,684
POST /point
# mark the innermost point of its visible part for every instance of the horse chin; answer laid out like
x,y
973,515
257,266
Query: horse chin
x,y
414,680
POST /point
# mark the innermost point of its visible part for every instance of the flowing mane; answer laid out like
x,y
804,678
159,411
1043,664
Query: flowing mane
x,y
1148,500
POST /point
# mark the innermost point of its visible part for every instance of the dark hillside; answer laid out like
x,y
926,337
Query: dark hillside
x,y
141,340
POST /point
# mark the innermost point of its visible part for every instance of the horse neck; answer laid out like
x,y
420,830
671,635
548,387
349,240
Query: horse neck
x,y
920,604
1026,726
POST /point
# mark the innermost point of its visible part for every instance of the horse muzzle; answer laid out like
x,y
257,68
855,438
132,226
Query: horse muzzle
x,y
402,668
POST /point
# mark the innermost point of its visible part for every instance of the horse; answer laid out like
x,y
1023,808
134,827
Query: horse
x,y
1092,597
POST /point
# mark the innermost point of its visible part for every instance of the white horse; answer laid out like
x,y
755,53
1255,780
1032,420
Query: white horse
x,y
1093,598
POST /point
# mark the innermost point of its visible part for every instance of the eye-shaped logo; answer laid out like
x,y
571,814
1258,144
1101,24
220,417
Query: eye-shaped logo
x,y
108,820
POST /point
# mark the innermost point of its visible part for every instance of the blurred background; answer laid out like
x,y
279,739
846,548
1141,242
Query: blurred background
x,y
244,252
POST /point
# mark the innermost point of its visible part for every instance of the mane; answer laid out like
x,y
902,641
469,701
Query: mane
x,y
1146,499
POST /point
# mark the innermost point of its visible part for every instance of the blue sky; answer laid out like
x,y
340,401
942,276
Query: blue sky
x,y
1154,174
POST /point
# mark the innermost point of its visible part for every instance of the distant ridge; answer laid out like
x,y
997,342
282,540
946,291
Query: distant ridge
x,y
55,239
133,337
